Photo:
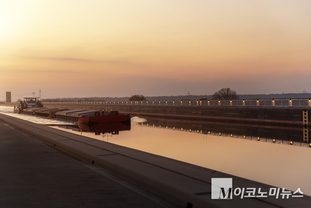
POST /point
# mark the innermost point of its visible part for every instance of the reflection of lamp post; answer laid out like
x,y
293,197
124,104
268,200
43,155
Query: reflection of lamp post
x,y
106,135
33,94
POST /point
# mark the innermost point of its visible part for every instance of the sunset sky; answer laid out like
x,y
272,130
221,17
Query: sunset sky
x,y
75,48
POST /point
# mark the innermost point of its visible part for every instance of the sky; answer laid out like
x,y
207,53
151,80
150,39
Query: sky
x,y
78,48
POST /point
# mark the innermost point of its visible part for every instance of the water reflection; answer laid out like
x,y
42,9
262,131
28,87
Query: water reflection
x,y
275,134
101,128
7,110
270,163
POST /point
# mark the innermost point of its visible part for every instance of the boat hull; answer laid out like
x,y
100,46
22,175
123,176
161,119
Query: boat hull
x,y
114,127
105,119
79,116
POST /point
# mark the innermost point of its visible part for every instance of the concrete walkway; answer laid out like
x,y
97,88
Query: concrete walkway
x,y
185,184
36,175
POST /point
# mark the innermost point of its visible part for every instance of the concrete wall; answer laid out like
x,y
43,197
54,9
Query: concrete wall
x,y
273,116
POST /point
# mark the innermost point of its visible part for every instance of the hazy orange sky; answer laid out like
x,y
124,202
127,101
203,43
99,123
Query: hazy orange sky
x,y
164,47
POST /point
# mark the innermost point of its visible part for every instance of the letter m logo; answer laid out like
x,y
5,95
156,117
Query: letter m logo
x,y
221,188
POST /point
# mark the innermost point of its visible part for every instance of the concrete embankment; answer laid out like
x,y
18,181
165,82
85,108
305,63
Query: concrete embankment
x,y
37,175
245,115
184,184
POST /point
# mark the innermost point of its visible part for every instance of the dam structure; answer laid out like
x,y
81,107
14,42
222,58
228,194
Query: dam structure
x,y
292,112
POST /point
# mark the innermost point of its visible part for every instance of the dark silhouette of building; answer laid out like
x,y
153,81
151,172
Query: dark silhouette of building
x,y
8,97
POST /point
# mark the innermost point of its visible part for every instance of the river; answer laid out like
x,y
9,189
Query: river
x,y
278,164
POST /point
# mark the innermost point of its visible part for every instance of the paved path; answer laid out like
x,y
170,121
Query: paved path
x,y
33,174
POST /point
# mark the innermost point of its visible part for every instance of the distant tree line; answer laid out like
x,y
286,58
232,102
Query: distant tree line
x,y
225,94
137,98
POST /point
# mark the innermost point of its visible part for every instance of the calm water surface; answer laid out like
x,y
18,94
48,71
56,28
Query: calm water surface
x,y
9,111
285,166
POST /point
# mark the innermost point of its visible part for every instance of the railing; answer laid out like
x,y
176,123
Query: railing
x,y
227,103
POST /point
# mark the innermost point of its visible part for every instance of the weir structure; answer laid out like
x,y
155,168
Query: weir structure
x,y
304,103
292,112
274,112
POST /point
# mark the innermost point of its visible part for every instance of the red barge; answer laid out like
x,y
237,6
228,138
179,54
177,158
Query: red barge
x,y
33,106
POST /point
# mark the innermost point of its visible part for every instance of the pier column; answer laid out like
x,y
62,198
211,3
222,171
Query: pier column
x,y
230,102
305,134
257,102
305,126
290,103
243,103
273,103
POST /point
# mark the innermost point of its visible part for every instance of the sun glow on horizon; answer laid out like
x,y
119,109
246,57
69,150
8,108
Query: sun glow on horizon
x,y
186,45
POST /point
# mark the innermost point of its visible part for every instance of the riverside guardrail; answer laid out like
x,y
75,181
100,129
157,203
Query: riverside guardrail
x,y
214,103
